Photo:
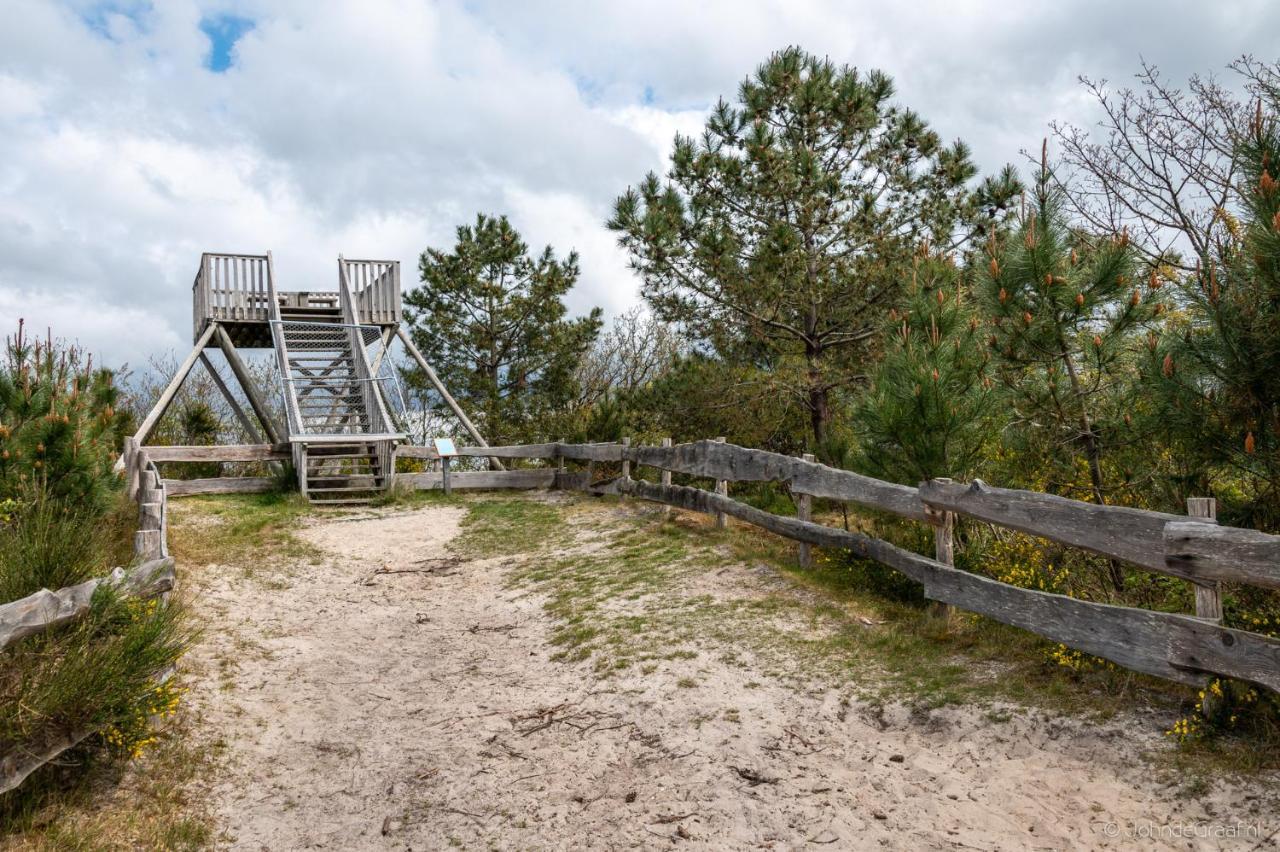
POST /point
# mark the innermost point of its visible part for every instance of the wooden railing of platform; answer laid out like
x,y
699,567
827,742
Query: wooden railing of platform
x,y
231,287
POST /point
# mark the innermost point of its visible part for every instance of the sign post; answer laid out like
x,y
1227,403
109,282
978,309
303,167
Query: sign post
x,y
446,450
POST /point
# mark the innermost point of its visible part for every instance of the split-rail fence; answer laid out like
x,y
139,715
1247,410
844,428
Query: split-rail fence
x,y
1187,648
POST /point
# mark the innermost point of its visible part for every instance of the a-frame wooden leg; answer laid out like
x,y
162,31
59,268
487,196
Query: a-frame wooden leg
x,y
166,398
255,435
241,373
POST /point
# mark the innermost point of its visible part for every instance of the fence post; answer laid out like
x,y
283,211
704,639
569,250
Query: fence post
x,y
722,488
444,475
626,466
1208,593
131,467
944,547
666,480
804,511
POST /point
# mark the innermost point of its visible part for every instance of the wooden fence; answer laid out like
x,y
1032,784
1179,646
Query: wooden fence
x,y
1179,647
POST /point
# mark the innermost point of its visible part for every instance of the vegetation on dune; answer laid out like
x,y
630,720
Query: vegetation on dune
x,y
103,677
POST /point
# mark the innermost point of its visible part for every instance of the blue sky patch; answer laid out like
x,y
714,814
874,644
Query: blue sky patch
x,y
223,32
98,16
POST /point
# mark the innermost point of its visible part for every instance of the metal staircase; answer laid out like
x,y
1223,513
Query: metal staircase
x,y
342,436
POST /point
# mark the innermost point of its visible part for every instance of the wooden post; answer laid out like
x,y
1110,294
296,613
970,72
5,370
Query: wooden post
x,y
666,479
171,390
444,475
241,372
944,549
131,469
722,488
804,512
626,466
1209,593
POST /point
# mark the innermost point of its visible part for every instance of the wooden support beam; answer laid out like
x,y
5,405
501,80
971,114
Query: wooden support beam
x,y
251,431
804,511
171,390
944,549
241,373
1208,592
444,393
626,465
666,478
722,488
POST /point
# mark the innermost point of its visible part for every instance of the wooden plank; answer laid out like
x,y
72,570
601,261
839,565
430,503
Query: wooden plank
x,y
595,452
482,479
171,389
219,485
19,763
516,451
912,564
44,609
219,453
738,464
1134,535
626,465
1207,552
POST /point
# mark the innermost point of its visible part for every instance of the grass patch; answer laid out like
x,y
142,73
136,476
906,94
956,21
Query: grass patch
x,y
495,526
241,530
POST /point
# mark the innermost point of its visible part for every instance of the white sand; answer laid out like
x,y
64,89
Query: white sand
x,y
416,710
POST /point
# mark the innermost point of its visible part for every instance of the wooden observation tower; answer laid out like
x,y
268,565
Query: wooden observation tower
x,y
336,384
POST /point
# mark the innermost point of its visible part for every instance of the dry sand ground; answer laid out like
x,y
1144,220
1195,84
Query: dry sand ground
x,y
423,710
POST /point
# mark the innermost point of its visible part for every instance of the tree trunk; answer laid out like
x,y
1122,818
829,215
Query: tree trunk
x,y
1093,454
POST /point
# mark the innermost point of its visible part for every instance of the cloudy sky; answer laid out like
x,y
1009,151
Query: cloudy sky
x,y
134,135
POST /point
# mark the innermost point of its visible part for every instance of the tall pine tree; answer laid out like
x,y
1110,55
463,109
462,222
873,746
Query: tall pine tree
x,y
780,233
1064,309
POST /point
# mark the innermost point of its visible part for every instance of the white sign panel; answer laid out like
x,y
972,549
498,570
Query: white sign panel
x,y
445,447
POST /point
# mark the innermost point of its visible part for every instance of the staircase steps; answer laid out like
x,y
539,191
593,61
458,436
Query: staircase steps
x,y
333,409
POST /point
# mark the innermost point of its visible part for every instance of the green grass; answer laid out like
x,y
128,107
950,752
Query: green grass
x,y
247,531
495,526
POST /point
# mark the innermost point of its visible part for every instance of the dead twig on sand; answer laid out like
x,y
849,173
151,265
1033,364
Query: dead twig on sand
x,y
752,777
667,819
497,628
559,715
436,567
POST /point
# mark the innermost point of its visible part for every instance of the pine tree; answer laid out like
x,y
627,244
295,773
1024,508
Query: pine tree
x,y
492,321
1064,309
780,232
926,413
59,426
1216,376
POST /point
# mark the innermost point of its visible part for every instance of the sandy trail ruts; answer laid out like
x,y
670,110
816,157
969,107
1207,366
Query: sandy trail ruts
x,y
422,710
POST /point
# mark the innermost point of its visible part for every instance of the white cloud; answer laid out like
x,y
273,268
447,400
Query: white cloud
x,y
375,128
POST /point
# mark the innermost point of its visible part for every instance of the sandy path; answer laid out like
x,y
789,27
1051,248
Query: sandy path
x,y
419,711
